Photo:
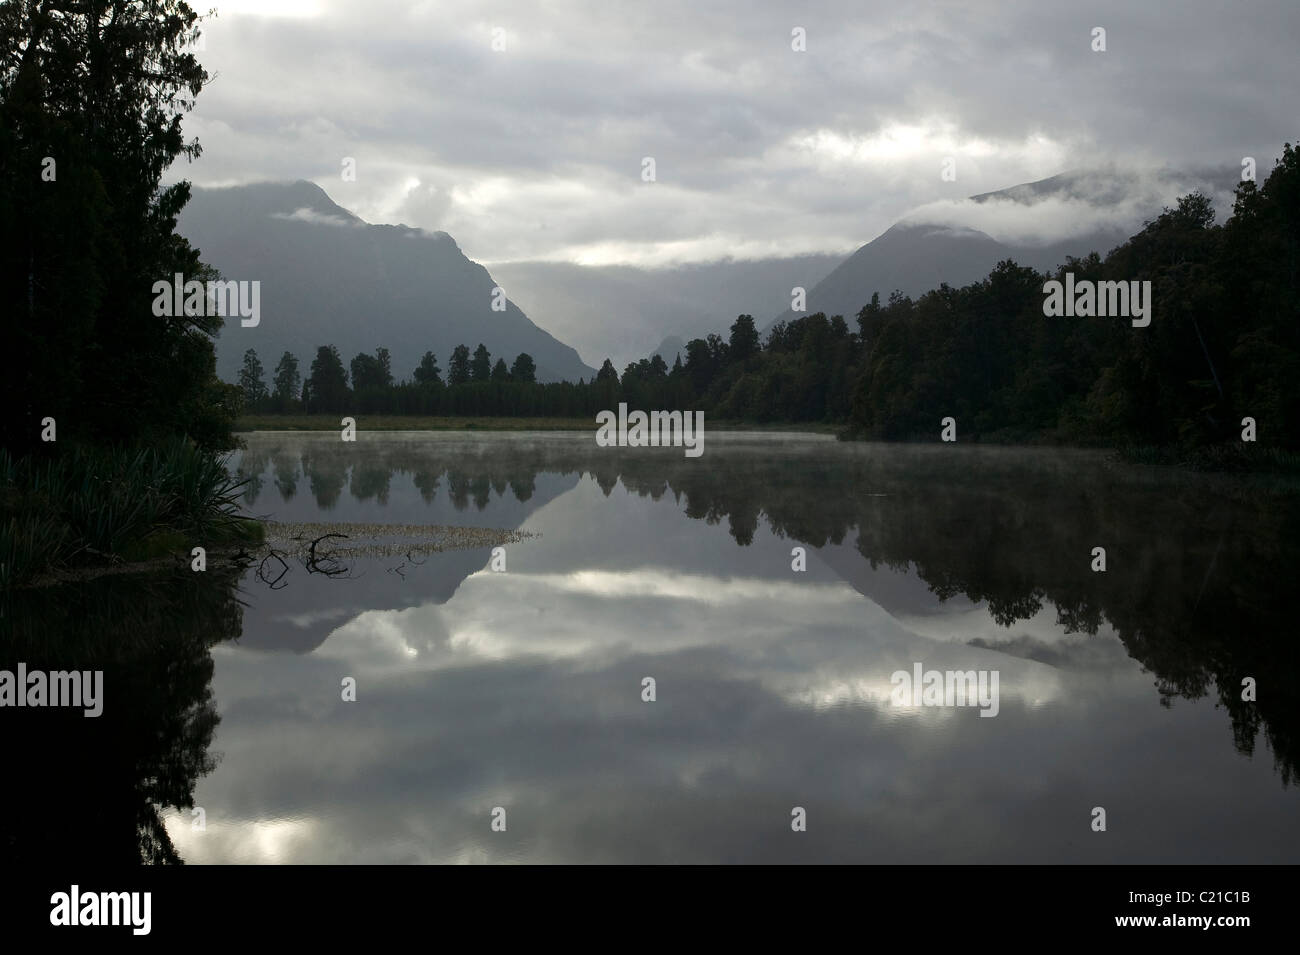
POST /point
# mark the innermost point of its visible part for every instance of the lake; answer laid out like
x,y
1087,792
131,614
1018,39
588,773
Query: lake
x,y
649,678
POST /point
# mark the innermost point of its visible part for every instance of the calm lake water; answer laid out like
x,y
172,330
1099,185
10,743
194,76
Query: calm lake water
x,y
523,689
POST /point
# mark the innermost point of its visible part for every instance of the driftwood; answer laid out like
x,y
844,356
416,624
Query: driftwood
x,y
326,564
278,581
315,552
315,562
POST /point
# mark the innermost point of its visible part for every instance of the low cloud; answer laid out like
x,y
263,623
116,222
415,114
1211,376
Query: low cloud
x,y
1079,204
318,218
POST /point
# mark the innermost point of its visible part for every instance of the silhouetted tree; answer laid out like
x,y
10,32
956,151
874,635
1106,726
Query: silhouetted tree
x,y
250,379
364,370
286,382
744,338
326,388
524,370
428,371
481,366
458,370
371,371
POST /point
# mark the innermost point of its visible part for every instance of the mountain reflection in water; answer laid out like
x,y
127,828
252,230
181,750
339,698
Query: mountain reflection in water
x,y
522,689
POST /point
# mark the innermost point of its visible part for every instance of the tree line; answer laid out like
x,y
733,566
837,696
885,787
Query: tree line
x,y
1223,346
1223,343
474,384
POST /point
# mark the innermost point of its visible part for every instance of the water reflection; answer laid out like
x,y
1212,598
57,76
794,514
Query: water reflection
x,y
1193,562
94,789
522,689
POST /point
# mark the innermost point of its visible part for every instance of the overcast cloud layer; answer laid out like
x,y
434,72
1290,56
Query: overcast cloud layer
x,y
535,152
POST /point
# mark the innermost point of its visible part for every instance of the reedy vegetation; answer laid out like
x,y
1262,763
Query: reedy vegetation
x,y
91,505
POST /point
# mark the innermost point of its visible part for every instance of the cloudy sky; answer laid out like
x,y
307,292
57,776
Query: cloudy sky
x,y
535,151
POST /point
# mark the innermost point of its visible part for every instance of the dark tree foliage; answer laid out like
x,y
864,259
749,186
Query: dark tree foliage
x,y
458,372
607,372
372,377
371,371
481,365
91,102
286,383
428,372
744,338
326,389
1223,343
524,369
251,380
152,637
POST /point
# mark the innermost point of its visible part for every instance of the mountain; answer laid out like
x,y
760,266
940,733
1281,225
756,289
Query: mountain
x,y
915,258
330,278
620,312
1037,224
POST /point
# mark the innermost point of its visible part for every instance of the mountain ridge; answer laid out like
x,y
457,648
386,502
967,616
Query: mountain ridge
x,y
331,278
960,253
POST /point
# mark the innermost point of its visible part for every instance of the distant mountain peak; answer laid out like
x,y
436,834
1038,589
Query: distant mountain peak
x,y
328,277
282,198
1038,224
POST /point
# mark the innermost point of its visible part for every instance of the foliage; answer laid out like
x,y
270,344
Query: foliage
x,y
91,102
92,503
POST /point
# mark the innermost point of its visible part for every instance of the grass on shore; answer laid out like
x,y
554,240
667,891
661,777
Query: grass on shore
x,y
93,506
331,422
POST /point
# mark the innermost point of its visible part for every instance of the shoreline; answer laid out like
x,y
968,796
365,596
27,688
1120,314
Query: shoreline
x,y
249,424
